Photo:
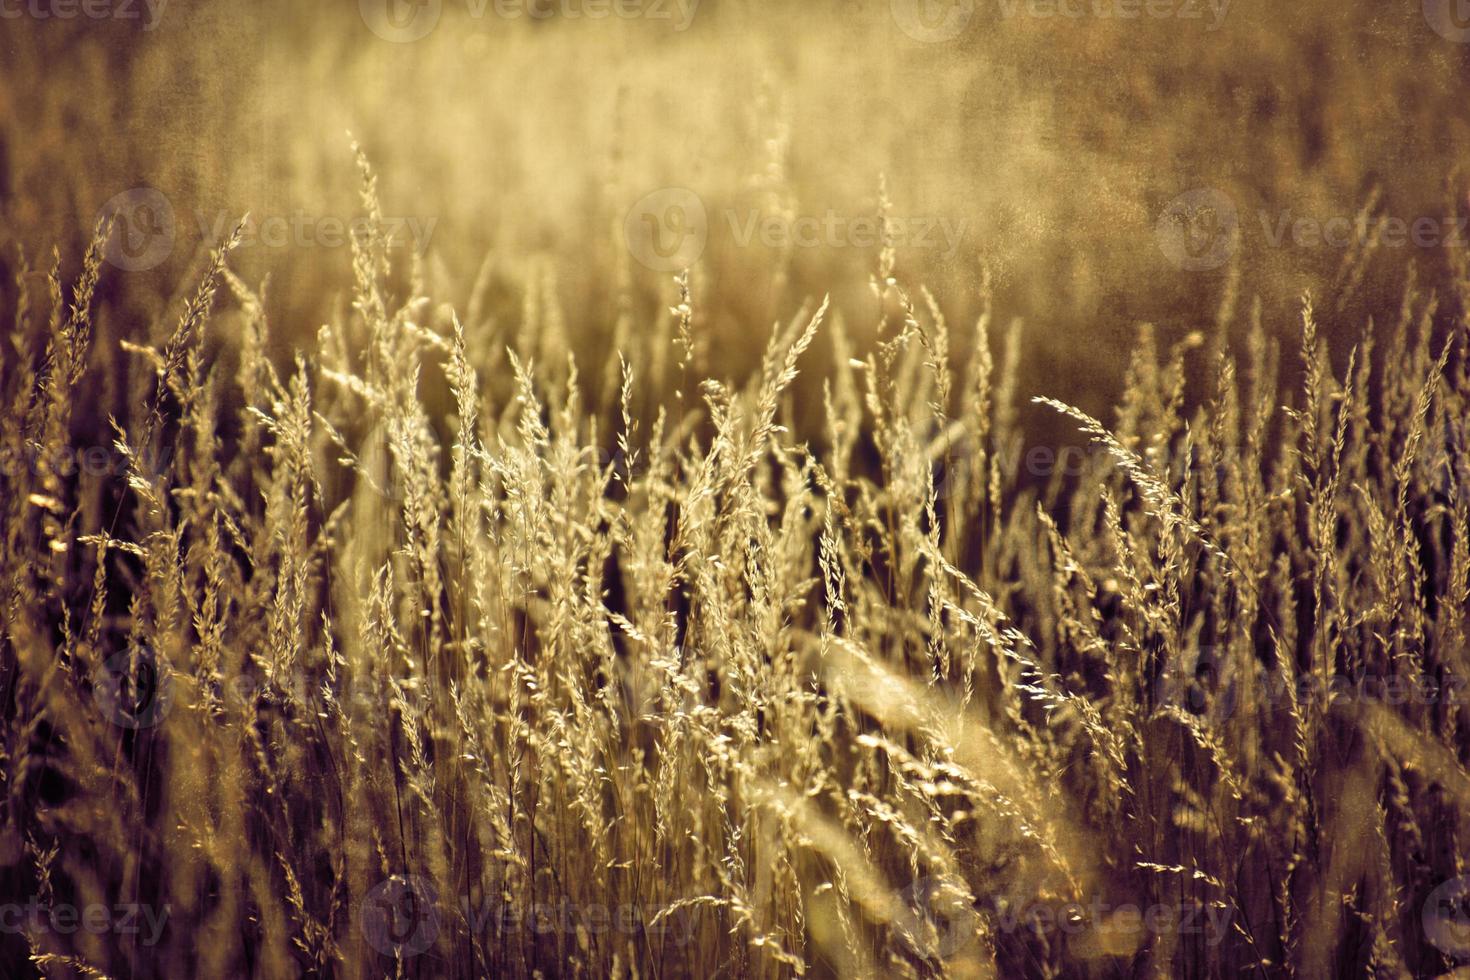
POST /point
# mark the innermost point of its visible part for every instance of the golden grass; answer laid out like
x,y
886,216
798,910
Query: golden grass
x,y
529,684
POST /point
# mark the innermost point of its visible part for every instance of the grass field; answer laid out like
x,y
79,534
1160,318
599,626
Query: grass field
x,y
699,490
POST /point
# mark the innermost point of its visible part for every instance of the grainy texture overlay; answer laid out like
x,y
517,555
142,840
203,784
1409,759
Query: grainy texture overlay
x,y
701,488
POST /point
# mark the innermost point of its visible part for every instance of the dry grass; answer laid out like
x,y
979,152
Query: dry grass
x,y
744,697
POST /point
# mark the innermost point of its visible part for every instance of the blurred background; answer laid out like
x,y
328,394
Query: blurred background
x,y
1111,162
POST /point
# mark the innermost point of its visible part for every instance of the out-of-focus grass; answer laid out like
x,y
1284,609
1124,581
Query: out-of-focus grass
x,y
1055,141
